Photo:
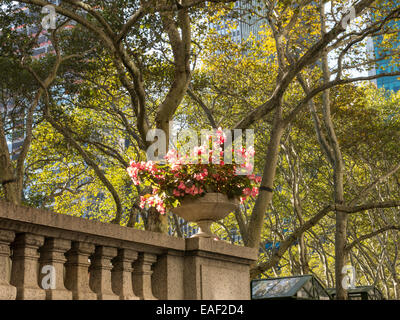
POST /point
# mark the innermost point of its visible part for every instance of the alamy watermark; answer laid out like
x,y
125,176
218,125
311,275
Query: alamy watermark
x,y
349,14
349,280
49,20
49,278
225,147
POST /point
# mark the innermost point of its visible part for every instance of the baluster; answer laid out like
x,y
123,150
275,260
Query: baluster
x,y
100,273
24,273
7,291
141,276
77,277
53,254
122,274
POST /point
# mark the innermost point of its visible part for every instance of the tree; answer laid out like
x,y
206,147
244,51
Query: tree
x,y
21,94
297,76
285,22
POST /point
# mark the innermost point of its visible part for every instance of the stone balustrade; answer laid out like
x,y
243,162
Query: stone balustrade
x,y
45,255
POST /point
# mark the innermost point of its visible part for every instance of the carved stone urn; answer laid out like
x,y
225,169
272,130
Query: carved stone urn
x,y
206,210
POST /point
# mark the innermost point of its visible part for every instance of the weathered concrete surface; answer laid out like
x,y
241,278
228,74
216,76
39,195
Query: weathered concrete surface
x,y
53,254
108,261
77,275
122,274
7,291
55,225
215,270
24,274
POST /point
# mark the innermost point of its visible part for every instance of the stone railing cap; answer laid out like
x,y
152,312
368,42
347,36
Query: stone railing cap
x,y
64,225
221,247
46,218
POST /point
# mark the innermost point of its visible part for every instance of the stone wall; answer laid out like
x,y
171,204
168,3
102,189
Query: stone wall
x,y
45,255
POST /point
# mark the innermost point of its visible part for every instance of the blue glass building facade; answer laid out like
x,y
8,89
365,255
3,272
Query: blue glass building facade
x,y
386,62
245,26
386,65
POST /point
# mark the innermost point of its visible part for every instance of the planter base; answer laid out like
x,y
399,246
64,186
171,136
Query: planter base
x,y
205,210
204,229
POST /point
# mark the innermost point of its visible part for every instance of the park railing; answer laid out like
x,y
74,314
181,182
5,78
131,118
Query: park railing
x,y
45,255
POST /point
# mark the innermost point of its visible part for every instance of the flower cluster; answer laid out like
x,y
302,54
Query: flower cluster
x,y
187,175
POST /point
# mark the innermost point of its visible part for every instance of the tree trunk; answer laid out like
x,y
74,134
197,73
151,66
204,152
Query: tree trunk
x,y
265,197
156,222
337,164
12,184
13,192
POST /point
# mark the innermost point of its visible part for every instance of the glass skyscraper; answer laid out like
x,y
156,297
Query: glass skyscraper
x,y
246,25
385,62
16,138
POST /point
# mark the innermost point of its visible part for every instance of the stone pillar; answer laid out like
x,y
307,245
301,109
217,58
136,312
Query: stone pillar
x,y
122,274
24,273
168,275
7,291
216,270
141,276
77,277
100,273
53,254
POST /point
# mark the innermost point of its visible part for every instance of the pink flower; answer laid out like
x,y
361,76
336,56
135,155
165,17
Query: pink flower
x,y
248,167
133,173
191,190
254,192
182,186
176,167
161,177
161,209
255,178
142,202
200,176
250,152
150,166
221,136
171,154
247,191
198,151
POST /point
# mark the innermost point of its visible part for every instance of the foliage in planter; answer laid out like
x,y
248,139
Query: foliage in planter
x,y
192,175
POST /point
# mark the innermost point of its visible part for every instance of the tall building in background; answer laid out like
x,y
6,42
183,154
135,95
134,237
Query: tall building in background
x,y
245,25
384,62
43,44
17,136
